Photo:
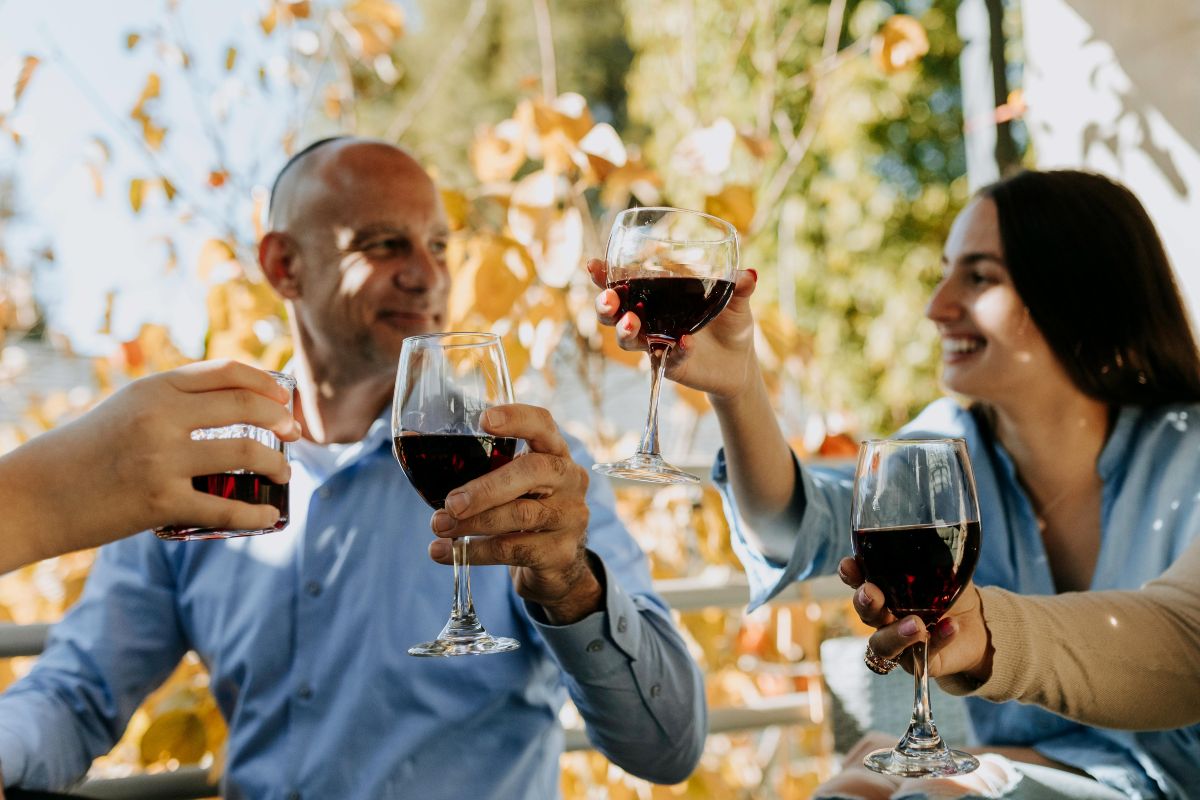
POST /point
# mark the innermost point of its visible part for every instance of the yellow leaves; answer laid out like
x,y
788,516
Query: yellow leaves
x,y
735,204
553,236
177,735
150,91
899,44
217,178
214,253
131,40
137,192
231,55
377,26
245,320
139,189
493,275
458,208
603,152
268,21
706,151
96,159
29,64
497,153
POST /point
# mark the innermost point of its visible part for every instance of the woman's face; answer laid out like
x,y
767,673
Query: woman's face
x,y
991,350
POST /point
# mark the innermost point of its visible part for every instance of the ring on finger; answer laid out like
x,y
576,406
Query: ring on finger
x,y
877,663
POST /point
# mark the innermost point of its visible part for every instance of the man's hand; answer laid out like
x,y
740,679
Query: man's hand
x,y
534,515
959,643
718,359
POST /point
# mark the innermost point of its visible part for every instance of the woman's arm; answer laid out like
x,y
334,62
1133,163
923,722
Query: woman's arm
x,y
127,464
1072,653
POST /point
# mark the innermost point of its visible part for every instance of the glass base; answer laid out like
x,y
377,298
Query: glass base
x,y
464,636
176,534
646,467
941,763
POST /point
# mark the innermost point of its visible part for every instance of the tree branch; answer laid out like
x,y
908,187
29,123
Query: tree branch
x,y
545,37
428,86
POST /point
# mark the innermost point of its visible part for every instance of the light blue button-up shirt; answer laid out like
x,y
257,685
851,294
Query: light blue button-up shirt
x,y
304,633
1150,467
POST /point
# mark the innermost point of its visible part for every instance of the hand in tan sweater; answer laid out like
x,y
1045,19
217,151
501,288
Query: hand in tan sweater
x,y
1117,659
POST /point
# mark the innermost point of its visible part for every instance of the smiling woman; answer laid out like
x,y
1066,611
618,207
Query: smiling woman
x,y
1062,327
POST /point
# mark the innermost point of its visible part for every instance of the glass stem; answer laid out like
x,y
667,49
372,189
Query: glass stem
x,y
464,606
658,365
922,740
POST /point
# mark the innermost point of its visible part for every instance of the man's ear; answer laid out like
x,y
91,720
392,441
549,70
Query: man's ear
x,y
279,258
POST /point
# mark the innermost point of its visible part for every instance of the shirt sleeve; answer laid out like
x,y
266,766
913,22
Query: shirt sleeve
x,y
626,666
120,641
1073,653
821,541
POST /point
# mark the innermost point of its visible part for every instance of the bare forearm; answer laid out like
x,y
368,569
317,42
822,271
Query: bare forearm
x,y
760,466
34,506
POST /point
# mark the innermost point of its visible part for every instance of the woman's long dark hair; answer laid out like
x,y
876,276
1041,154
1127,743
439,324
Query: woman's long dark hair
x,y
1089,265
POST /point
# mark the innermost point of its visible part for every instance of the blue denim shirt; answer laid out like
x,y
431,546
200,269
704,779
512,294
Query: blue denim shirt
x,y
304,632
1150,467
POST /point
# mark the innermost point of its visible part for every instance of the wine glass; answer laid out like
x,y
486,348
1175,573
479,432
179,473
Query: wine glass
x,y
915,523
444,384
675,270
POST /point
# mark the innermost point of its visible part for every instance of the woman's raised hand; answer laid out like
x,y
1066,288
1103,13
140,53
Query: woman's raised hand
x,y
719,359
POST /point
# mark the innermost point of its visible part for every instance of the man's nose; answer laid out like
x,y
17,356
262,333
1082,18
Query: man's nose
x,y
420,271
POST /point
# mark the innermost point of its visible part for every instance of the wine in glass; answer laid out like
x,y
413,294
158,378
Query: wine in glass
x,y
675,270
444,384
915,523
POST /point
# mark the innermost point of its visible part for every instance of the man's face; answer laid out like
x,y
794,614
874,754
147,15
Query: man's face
x,y
372,247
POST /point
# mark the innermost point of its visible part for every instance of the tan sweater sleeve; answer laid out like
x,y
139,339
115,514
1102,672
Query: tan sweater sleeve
x,y
1117,659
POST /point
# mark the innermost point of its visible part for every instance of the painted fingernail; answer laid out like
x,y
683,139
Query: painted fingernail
x,y
863,599
908,627
442,521
946,628
439,549
457,502
753,274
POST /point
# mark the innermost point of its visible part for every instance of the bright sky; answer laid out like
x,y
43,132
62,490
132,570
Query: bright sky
x,y
83,89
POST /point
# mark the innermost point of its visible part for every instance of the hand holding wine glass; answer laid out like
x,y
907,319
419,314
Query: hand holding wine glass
x,y
958,644
445,384
915,525
531,515
718,359
674,269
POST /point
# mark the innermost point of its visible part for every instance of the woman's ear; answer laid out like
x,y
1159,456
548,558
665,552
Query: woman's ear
x,y
279,258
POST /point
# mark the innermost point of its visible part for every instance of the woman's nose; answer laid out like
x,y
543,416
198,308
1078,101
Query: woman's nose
x,y
944,305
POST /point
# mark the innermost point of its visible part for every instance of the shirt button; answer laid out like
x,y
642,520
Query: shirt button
x,y
595,646
312,588
305,692
324,492
656,690
621,625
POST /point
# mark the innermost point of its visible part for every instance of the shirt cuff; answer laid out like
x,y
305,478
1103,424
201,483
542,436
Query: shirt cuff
x,y
600,643
768,578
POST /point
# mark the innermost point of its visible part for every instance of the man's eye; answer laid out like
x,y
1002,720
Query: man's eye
x,y
437,247
386,247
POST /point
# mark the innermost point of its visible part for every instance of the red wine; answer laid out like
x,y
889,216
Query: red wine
x,y
920,569
438,463
248,487
672,307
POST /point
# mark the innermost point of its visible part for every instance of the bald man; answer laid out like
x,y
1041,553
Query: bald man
x,y
305,631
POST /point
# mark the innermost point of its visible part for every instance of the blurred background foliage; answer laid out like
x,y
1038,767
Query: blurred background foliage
x,y
829,133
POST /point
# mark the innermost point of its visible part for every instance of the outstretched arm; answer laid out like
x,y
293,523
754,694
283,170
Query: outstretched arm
x,y
1072,653
127,465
